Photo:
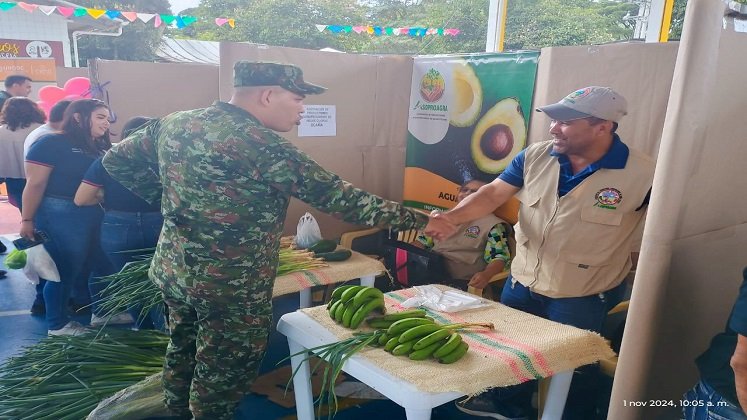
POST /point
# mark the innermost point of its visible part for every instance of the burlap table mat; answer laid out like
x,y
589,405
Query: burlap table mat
x,y
337,272
521,348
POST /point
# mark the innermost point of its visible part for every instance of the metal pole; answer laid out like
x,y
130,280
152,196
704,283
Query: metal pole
x,y
496,25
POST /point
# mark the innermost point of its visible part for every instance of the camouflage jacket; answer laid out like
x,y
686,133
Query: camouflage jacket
x,y
224,181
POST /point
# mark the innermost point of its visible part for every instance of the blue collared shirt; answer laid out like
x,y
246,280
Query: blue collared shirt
x,y
615,158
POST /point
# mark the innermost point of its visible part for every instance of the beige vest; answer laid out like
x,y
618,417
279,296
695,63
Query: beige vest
x,y
464,252
579,244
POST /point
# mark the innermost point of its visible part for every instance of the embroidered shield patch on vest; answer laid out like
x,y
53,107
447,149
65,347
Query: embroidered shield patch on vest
x,y
607,198
472,232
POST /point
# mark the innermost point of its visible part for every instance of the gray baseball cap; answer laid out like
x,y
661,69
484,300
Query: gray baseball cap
x,y
592,101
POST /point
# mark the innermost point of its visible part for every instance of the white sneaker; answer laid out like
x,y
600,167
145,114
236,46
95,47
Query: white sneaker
x,y
118,319
71,328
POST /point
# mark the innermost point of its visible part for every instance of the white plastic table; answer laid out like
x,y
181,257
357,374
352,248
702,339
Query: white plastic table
x,y
304,333
358,266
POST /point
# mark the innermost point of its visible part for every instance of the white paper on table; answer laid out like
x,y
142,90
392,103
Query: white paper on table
x,y
443,301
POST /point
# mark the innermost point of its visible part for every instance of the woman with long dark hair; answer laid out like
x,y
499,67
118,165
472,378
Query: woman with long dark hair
x,y
18,117
54,168
130,223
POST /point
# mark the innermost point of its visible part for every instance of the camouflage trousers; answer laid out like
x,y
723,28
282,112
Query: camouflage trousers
x,y
215,352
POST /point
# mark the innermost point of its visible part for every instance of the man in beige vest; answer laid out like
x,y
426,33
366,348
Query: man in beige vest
x,y
583,199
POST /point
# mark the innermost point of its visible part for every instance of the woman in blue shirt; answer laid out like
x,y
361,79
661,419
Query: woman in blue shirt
x,y
54,168
130,223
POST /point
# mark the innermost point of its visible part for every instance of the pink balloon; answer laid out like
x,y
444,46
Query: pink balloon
x,y
45,106
51,94
77,85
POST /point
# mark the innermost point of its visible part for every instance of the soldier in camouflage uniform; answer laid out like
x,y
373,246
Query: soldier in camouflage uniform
x,y
225,181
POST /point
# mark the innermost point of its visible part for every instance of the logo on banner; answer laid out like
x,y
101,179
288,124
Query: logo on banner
x,y
38,49
607,198
432,86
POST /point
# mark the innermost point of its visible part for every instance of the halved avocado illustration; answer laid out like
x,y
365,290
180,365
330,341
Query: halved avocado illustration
x,y
499,136
467,100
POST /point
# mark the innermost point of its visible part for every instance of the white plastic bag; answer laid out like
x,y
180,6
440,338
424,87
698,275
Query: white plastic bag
x,y
307,232
443,301
39,264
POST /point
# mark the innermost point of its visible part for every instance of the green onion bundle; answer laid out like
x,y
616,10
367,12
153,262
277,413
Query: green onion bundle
x,y
65,377
336,354
128,288
131,287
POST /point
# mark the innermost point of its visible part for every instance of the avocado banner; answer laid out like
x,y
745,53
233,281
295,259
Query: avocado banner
x,y
468,118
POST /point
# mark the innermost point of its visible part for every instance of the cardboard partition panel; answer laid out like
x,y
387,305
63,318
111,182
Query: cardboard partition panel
x,y
642,73
695,235
153,89
370,95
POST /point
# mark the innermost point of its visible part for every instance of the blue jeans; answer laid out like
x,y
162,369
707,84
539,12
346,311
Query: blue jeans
x,y
74,246
127,231
707,404
586,312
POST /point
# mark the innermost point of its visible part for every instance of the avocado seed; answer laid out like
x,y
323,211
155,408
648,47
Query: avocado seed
x,y
497,141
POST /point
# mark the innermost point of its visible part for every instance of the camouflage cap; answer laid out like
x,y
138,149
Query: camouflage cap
x,y
287,76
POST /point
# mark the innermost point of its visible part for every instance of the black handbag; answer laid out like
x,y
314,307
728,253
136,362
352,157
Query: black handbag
x,y
413,266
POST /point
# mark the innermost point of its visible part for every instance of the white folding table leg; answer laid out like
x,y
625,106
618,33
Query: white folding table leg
x,y
305,297
301,382
557,393
368,280
417,414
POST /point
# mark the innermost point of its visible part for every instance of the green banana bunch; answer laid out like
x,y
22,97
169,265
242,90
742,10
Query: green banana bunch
x,y
422,338
350,305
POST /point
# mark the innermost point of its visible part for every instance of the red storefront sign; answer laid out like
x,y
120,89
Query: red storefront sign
x,y
21,48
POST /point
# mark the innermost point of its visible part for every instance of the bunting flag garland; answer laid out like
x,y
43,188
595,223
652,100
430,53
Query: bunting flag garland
x,y
379,31
158,19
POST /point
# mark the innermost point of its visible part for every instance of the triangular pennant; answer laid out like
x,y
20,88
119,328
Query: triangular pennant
x,y
370,30
456,32
431,31
27,7
347,28
359,29
188,20
389,31
440,31
157,21
131,16
179,22
377,30
79,11
335,28
169,19
65,11
220,21
321,28
404,31
95,13
4,5
47,10
232,23
145,17
113,14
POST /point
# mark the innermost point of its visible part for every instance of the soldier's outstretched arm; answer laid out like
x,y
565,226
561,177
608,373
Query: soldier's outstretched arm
x,y
133,163
295,173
